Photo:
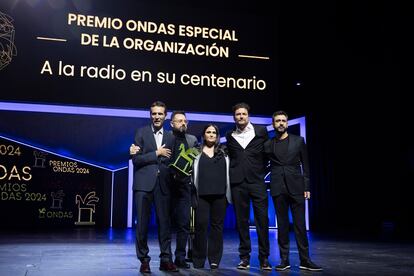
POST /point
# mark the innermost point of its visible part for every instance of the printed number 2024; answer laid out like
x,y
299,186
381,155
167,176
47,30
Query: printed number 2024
x,y
9,150
35,197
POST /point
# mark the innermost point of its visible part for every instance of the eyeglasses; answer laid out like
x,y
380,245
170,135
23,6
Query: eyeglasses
x,y
211,132
180,121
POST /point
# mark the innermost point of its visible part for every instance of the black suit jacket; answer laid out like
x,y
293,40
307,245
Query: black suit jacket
x,y
294,171
147,166
249,163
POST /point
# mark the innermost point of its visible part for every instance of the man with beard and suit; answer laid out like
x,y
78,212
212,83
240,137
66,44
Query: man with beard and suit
x,y
181,186
289,188
247,171
150,155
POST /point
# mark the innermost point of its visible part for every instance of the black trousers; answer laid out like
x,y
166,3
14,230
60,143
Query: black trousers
x,y
143,203
209,243
242,194
296,203
180,206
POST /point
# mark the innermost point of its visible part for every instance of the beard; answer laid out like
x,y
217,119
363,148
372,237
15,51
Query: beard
x,y
281,130
181,129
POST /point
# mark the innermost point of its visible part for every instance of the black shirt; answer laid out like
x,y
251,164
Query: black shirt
x,y
211,175
281,149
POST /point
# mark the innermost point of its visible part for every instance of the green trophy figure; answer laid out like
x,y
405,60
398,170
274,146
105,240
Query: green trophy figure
x,y
184,161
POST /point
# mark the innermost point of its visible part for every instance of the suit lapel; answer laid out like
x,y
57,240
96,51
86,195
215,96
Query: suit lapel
x,y
152,138
291,145
165,137
187,139
256,135
234,141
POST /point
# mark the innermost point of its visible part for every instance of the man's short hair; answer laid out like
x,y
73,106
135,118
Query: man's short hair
x,y
241,105
160,104
280,112
176,112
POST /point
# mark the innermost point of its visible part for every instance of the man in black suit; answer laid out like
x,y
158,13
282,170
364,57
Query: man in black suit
x,y
289,188
151,154
181,188
247,171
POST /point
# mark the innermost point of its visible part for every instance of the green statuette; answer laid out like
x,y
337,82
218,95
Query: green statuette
x,y
184,161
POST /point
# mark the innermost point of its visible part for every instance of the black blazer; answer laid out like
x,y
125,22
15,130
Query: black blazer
x,y
249,163
294,171
147,166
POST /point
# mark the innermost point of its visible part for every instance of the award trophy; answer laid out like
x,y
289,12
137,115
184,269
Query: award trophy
x,y
184,161
184,165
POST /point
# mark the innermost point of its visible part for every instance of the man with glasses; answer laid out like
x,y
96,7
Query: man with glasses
x,y
180,186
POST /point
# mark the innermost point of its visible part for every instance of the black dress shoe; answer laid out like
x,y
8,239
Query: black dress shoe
x,y
182,264
244,264
309,265
282,266
168,266
265,265
145,267
213,266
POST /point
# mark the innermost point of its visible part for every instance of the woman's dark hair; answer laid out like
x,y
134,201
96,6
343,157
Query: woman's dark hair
x,y
219,150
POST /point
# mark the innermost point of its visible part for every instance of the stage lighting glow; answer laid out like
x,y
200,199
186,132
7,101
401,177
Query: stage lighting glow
x,y
77,110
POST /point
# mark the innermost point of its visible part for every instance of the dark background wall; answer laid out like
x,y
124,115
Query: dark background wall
x,y
346,55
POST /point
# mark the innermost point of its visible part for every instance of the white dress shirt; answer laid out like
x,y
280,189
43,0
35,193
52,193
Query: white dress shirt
x,y
245,136
158,136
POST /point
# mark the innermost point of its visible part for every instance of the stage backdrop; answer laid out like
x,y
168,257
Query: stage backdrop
x,y
43,189
129,53
60,57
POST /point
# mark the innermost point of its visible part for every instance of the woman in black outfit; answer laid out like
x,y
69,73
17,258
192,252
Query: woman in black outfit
x,y
211,179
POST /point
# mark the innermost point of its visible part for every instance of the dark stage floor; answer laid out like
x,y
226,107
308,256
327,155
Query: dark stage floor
x,y
86,251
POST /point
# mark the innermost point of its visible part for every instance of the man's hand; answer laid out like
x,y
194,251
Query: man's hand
x,y
307,195
133,149
163,151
